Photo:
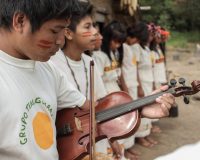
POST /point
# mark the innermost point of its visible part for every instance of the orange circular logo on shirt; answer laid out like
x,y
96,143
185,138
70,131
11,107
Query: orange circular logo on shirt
x,y
43,131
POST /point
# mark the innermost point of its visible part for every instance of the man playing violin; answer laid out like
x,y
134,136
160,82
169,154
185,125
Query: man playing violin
x,y
32,89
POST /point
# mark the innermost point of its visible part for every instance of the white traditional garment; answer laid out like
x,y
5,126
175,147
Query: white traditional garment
x,y
159,68
129,69
109,70
145,71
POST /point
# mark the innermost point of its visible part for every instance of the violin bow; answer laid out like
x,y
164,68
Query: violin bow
x,y
92,124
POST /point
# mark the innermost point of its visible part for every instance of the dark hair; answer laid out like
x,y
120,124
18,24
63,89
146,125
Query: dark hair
x,y
153,46
85,9
38,11
113,31
139,31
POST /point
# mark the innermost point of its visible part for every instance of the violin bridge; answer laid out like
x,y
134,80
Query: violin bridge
x,y
78,124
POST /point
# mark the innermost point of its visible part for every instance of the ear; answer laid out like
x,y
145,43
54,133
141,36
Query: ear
x,y
19,21
68,34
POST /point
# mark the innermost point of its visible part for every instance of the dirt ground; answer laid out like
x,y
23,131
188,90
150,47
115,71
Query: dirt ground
x,y
185,129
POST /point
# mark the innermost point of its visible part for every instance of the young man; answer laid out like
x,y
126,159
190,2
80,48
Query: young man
x,y
32,90
80,36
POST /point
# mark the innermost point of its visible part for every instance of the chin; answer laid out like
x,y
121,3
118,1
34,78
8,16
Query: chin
x,y
91,48
43,59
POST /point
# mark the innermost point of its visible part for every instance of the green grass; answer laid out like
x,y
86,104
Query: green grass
x,y
182,39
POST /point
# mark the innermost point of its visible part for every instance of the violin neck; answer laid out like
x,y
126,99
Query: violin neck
x,y
128,107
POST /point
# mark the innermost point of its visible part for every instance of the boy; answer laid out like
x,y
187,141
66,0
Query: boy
x,y
81,36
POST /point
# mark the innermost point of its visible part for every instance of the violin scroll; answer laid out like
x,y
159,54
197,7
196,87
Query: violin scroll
x,y
184,90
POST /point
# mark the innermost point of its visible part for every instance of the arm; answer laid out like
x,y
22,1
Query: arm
x,y
123,85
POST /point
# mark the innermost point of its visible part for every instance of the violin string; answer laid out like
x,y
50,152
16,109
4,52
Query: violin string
x,y
124,108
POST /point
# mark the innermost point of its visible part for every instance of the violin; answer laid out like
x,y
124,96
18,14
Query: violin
x,y
117,117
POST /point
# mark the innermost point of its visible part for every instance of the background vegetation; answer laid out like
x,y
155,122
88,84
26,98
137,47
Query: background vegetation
x,y
181,17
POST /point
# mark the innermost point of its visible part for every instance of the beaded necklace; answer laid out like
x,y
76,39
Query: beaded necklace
x,y
73,75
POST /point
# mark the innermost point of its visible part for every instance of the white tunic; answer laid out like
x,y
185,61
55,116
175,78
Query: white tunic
x,y
146,76
145,64
110,71
129,66
159,68
129,69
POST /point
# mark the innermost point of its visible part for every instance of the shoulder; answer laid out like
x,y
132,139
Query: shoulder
x,y
49,66
58,57
86,57
126,47
100,55
136,46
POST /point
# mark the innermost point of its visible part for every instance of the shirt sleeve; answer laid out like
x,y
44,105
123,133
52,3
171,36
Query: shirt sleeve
x,y
68,95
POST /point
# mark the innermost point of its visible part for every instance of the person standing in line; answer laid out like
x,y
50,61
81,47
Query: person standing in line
x,y
109,60
144,77
81,36
130,72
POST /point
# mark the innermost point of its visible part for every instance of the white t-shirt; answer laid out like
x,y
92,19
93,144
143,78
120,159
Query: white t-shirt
x,y
159,69
30,93
78,68
108,70
145,66
129,66
59,60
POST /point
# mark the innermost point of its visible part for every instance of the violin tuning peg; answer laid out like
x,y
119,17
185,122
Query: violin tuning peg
x,y
173,82
181,81
186,100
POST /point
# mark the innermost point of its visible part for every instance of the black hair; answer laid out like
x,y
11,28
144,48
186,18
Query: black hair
x,y
153,45
85,9
113,31
131,32
37,11
139,31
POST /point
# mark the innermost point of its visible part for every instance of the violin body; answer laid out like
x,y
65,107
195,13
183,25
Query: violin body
x,y
76,145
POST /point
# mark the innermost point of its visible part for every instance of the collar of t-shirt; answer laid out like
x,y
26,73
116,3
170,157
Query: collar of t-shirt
x,y
75,63
29,64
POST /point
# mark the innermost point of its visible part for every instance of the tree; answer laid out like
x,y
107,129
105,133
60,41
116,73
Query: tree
x,y
174,14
